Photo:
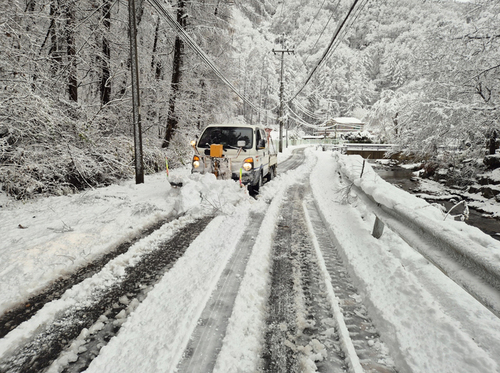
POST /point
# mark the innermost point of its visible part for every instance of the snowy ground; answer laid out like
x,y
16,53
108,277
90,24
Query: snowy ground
x,y
428,322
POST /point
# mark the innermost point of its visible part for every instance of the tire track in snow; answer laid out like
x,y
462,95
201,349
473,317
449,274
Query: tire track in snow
x,y
206,340
301,334
278,356
105,307
11,319
293,162
309,327
353,321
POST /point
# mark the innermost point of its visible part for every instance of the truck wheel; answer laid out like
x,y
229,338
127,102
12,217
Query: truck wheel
x,y
272,173
254,189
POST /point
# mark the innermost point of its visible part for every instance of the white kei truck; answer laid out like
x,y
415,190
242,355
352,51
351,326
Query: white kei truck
x,y
241,152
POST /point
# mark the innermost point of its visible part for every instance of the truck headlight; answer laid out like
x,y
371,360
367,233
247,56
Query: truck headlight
x,y
248,164
196,161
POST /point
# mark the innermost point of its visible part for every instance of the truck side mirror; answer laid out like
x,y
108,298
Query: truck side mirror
x,y
261,144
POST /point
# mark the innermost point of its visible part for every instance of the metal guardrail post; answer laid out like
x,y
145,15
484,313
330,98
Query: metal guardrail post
x,y
453,257
378,228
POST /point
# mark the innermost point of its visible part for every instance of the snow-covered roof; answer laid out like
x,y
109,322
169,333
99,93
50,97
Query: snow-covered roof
x,y
347,120
313,137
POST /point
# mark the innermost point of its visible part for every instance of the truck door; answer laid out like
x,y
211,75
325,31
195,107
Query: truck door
x,y
263,152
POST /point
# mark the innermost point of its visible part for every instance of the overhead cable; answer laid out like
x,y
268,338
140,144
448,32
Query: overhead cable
x,y
310,25
308,112
320,35
299,120
353,20
192,44
328,49
304,62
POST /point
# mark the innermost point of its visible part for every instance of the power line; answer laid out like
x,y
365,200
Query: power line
x,y
310,25
344,31
353,20
282,10
320,35
307,111
299,120
191,43
322,31
328,49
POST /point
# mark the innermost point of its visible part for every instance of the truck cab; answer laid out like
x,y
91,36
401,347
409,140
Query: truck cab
x,y
240,152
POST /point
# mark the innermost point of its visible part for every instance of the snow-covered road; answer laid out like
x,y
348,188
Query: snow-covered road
x,y
292,281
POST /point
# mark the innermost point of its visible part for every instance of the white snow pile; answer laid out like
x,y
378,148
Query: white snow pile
x,y
50,237
469,240
429,322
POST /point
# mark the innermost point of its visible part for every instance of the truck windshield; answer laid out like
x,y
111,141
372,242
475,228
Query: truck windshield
x,y
226,136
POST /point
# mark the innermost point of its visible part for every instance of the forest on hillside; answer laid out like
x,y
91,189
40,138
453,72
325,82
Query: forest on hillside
x,y
423,74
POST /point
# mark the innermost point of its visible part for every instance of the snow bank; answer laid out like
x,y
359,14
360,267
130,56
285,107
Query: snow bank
x,y
470,241
403,291
45,239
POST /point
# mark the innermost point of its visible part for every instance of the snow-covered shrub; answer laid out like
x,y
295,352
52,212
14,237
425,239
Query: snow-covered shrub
x,y
363,137
51,148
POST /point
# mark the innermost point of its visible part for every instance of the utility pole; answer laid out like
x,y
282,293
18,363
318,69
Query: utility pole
x,y
136,104
287,126
282,88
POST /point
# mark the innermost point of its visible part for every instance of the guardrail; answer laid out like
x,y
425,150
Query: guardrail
x,y
369,147
339,144
315,141
458,257
371,151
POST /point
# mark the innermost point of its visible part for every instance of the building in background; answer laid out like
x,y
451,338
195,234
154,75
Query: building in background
x,y
336,126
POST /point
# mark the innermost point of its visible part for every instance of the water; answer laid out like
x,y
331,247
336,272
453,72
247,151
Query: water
x,y
400,177
405,179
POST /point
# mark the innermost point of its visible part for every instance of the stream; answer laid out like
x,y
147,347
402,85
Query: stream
x,y
406,180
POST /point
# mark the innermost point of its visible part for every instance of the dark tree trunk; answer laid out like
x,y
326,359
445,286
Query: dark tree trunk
x,y
105,87
157,68
55,50
202,100
155,62
30,8
139,11
172,118
492,142
71,52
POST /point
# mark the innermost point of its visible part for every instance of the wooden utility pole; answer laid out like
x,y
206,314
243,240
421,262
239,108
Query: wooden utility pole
x,y
136,104
282,88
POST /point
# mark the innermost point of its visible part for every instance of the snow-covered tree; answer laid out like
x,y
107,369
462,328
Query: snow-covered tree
x,y
65,89
443,96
